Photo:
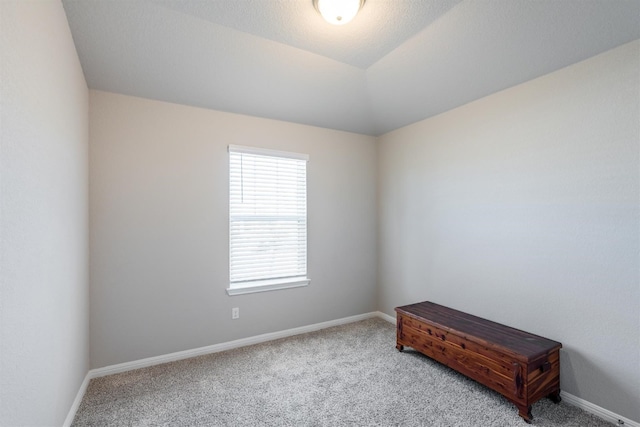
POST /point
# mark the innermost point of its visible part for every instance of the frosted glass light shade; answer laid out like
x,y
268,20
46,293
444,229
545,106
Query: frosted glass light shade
x,y
338,12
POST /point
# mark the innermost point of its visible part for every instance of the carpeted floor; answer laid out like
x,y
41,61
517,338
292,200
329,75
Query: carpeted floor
x,y
349,375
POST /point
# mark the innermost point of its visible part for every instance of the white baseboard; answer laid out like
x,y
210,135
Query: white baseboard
x,y
596,410
172,357
386,317
76,403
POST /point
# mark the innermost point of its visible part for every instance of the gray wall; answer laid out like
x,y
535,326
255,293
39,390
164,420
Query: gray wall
x,y
523,207
44,303
159,228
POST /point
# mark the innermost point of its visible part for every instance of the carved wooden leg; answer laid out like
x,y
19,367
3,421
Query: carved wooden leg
x,y
400,347
525,413
555,397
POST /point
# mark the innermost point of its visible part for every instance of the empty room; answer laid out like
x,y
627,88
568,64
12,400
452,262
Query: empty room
x,y
319,212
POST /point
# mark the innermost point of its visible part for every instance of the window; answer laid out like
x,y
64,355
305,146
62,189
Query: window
x,y
267,220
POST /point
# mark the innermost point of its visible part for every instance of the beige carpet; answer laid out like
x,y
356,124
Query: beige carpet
x,y
349,375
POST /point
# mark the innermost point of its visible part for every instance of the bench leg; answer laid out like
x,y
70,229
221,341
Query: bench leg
x,y
525,413
555,397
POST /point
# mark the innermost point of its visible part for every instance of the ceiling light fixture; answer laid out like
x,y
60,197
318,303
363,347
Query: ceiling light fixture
x,y
338,12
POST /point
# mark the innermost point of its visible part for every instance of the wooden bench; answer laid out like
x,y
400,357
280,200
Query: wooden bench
x,y
522,367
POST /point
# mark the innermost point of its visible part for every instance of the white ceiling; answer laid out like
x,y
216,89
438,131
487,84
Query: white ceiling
x,y
397,62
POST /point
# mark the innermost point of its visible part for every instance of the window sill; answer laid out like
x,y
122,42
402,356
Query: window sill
x,y
267,285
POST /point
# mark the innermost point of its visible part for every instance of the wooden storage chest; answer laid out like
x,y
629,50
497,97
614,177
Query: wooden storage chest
x,y
522,367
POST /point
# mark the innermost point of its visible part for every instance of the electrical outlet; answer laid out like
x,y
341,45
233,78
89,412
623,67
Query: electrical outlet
x,y
235,312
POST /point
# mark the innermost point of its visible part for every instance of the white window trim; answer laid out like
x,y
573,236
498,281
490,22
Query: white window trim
x,y
267,152
268,284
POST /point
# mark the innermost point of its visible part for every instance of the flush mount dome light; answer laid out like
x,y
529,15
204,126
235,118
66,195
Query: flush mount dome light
x,y
338,12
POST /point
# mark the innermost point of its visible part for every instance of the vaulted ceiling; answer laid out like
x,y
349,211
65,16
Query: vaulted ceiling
x,y
397,62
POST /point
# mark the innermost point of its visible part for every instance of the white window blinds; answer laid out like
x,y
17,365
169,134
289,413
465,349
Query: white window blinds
x,y
267,216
